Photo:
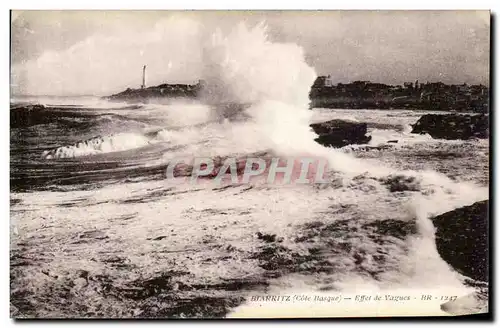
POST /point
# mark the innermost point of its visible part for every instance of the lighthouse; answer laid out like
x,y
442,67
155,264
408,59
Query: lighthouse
x,y
143,77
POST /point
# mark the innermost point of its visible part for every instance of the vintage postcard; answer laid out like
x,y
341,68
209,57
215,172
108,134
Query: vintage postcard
x,y
249,164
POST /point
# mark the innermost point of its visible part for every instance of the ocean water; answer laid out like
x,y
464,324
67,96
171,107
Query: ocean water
x,y
97,230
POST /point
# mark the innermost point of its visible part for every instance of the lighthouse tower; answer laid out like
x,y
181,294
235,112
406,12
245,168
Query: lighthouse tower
x,y
143,85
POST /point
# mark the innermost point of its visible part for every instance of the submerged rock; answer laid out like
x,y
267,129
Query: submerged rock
x,y
462,239
338,133
266,237
398,182
453,126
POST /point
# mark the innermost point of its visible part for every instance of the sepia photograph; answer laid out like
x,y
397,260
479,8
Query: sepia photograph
x,y
202,164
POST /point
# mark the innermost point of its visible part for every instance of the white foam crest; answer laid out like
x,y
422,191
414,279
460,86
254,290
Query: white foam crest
x,y
407,128
99,145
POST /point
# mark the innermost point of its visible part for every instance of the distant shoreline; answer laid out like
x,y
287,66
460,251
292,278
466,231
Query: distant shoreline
x,y
435,96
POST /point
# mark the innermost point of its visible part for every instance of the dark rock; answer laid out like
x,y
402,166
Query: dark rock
x,y
392,141
338,133
266,237
462,239
453,126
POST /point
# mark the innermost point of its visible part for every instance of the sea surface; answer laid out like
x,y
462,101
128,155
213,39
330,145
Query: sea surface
x,y
97,230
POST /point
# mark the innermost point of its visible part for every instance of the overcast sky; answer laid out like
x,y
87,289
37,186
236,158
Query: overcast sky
x,y
98,52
